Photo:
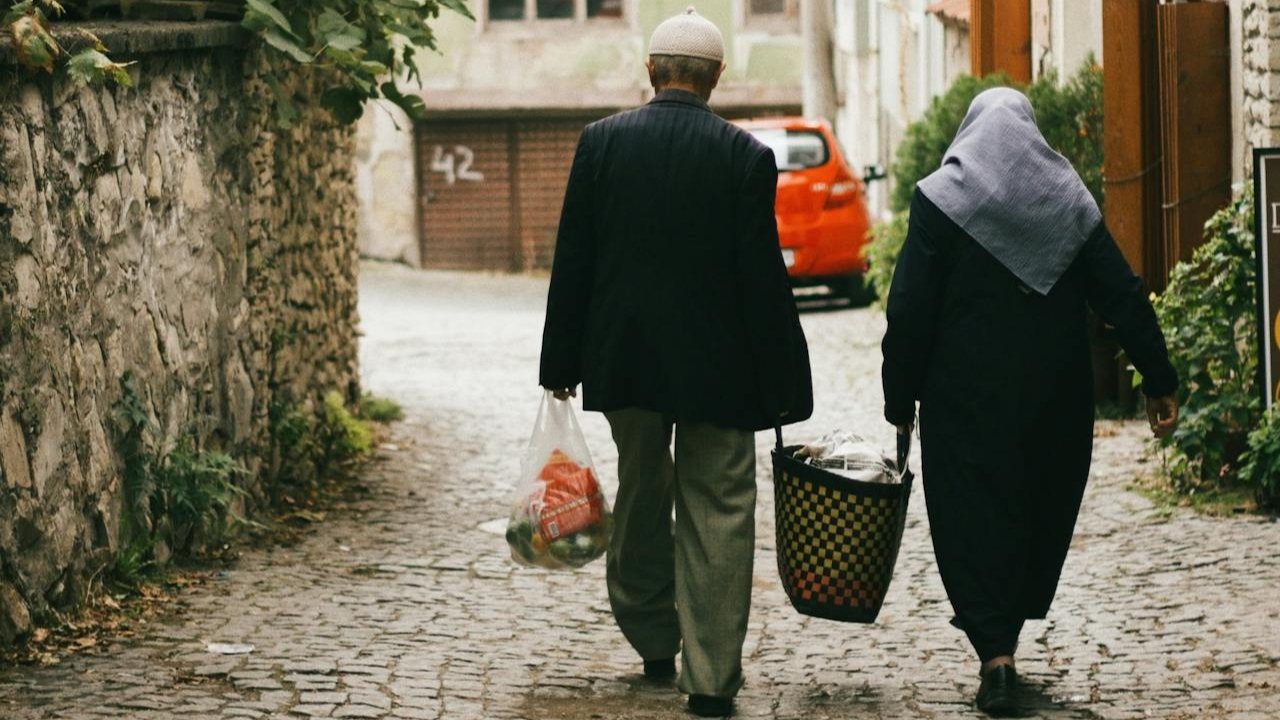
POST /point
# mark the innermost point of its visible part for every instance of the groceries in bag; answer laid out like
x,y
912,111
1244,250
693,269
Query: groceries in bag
x,y
852,456
560,518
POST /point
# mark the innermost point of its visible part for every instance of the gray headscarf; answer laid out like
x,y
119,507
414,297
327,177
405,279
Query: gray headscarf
x,y
1022,201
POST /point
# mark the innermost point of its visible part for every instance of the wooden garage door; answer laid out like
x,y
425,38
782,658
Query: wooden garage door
x,y
491,191
544,158
466,191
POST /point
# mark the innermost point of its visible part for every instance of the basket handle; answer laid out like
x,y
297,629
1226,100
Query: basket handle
x,y
904,449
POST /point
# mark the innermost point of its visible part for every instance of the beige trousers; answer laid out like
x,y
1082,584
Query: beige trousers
x,y
693,583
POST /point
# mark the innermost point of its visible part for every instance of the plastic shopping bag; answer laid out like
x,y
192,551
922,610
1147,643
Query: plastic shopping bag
x,y
559,518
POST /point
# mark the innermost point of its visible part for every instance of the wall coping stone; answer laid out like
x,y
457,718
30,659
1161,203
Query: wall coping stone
x,y
130,38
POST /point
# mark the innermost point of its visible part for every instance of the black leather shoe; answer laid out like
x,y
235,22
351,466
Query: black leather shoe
x,y
997,695
710,706
660,669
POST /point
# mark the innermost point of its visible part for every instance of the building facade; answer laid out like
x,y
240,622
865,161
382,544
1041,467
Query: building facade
x,y
478,185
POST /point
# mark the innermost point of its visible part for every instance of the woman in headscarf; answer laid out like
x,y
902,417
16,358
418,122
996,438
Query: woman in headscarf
x,y
988,330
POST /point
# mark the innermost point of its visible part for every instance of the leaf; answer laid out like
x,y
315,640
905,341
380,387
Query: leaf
x,y
412,105
334,31
286,45
89,66
32,42
458,6
345,104
266,9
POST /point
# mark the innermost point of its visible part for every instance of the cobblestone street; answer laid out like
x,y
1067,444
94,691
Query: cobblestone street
x,y
408,606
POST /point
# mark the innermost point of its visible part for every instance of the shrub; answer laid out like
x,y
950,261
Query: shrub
x,y
340,436
1207,312
1070,118
198,488
1262,460
379,409
882,253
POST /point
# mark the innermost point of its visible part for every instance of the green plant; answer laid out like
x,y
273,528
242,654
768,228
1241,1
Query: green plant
x,y
882,253
364,45
138,478
1261,467
340,436
28,22
369,43
1207,312
198,490
1069,116
379,409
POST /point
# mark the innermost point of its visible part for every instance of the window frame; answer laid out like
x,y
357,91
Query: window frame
x,y
787,21
531,21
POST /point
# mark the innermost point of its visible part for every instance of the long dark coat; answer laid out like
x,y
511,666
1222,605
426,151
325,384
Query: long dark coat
x,y
1003,378
668,290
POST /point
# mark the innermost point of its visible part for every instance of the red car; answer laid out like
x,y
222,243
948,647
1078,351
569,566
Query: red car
x,y
821,211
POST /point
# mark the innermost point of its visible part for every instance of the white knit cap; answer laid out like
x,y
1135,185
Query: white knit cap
x,y
690,35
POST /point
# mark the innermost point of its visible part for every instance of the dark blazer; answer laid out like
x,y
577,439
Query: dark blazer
x,y
668,290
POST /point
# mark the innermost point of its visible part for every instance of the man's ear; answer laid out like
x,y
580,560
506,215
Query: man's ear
x,y
716,80
648,65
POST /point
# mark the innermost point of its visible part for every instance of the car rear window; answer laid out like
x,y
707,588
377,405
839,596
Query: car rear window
x,y
795,149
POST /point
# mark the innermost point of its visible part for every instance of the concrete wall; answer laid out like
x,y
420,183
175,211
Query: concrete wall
x,y
894,59
1063,34
169,231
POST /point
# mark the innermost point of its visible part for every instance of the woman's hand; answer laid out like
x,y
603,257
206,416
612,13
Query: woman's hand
x,y
1163,414
565,393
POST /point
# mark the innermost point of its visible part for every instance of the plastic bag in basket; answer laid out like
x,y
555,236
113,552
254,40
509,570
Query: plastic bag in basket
x,y
560,518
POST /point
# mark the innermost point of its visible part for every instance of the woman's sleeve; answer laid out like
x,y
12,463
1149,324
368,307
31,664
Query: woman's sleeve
x,y
1115,294
912,311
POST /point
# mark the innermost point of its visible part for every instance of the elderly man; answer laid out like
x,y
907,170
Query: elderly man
x,y
669,303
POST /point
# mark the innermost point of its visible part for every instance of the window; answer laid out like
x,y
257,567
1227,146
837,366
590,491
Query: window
x,y
604,8
506,9
773,10
795,149
519,10
555,9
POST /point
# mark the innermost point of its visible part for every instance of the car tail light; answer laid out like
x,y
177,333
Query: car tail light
x,y
844,190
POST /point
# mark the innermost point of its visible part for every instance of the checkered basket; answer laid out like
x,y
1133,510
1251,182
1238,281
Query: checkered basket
x,y
837,537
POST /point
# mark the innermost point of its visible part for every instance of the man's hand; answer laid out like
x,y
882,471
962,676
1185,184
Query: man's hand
x,y
565,393
1163,414
905,429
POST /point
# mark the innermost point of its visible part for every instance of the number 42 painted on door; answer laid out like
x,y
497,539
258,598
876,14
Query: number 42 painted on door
x,y
455,165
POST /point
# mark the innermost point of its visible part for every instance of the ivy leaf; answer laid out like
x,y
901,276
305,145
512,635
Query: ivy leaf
x,y
458,6
334,31
32,42
345,104
91,66
286,45
265,9
412,105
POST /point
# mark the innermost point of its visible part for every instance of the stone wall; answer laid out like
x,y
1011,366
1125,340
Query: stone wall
x,y
171,231
1260,77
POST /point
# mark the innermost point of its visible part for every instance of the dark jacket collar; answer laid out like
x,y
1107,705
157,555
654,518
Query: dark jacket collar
x,y
684,97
